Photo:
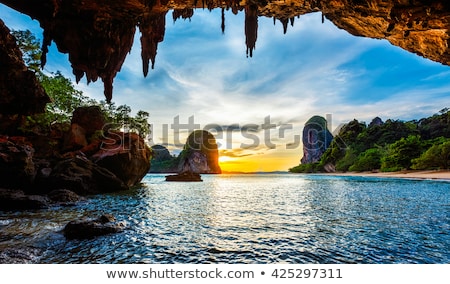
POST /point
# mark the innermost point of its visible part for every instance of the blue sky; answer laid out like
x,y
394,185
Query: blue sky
x,y
313,69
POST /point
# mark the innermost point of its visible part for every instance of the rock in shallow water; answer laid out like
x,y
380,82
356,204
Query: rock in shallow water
x,y
11,200
82,176
65,197
91,228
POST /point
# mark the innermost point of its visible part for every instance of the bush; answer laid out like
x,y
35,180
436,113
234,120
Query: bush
x,y
400,153
368,160
345,163
307,168
436,157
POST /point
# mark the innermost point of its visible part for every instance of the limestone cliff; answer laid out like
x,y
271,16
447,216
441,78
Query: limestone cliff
x,y
98,34
200,154
316,139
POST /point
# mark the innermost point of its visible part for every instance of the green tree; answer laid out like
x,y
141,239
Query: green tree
x,y
400,153
368,160
436,157
30,47
347,161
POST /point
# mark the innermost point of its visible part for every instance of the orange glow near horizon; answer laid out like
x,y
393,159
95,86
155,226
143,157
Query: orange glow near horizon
x,y
265,162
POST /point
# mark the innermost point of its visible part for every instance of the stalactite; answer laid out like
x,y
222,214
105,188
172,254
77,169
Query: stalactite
x,y
152,30
251,28
97,35
223,21
186,13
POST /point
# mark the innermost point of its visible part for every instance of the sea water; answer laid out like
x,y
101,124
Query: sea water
x,y
251,218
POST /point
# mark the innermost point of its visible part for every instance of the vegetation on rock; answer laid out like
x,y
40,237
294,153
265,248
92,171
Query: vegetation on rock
x,y
390,146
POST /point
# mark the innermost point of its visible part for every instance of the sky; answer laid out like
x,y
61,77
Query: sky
x,y
256,107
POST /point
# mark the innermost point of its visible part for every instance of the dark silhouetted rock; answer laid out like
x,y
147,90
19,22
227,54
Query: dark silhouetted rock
x,y
200,154
17,168
91,228
160,153
376,122
83,177
65,197
12,200
20,91
185,176
316,139
75,138
162,161
126,155
91,119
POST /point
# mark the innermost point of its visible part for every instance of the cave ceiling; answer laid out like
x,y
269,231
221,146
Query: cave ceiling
x,y
98,34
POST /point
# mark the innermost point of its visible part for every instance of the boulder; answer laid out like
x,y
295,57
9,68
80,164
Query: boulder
x,y
17,169
12,200
126,155
83,177
90,119
316,139
65,197
75,138
91,228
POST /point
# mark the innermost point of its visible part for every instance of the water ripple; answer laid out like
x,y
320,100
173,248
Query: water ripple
x,y
251,219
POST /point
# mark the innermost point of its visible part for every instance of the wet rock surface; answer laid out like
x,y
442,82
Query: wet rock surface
x,y
14,200
17,169
91,228
84,177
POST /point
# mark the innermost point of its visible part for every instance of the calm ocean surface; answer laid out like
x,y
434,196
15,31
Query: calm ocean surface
x,y
266,218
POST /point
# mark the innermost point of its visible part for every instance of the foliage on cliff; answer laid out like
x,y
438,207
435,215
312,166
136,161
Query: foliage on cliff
x,y
390,146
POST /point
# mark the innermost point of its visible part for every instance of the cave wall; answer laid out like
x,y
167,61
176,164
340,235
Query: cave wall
x,y
98,34
20,92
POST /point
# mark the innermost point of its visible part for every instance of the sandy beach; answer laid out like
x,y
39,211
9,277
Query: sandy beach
x,y
435,174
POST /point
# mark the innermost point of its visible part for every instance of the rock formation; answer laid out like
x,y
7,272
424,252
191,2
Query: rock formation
x,y
162,161
84,159
20,92
17,169
91,228
376,122
126,155
316,139
97,35
200,154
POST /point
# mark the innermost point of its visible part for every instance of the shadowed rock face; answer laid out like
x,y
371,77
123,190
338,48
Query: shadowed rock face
x,y
20,91
98,34
316,139
200,154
